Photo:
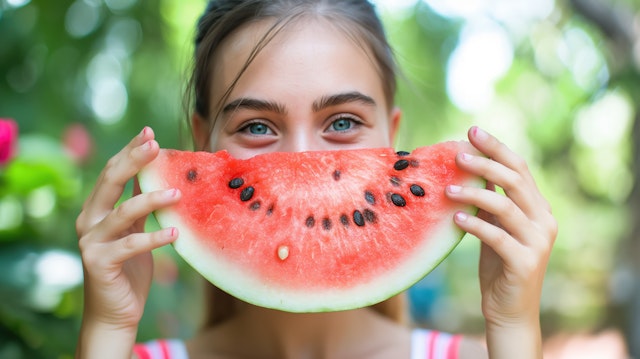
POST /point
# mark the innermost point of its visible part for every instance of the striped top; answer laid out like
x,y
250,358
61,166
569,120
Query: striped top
x,y
425,344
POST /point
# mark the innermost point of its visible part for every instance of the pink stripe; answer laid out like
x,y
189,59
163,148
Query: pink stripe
x,y
141,351
164,349
432,345
454,347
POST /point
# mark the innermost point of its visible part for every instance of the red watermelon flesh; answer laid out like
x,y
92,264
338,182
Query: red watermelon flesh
x,y
312,231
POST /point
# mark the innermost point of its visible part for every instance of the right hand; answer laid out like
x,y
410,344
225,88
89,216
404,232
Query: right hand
x,y
116,252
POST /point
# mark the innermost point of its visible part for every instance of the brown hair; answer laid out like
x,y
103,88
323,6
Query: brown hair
x,y
356,18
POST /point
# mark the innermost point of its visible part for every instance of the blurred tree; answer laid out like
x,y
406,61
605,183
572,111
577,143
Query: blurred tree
x,y
618,24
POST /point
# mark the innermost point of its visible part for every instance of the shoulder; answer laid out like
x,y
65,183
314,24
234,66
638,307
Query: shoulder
x,y
433,344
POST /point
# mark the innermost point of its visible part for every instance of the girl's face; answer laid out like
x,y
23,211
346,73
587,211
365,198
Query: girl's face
x,y
310,88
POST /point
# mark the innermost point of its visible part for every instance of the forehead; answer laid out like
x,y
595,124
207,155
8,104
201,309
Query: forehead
x,y
309,51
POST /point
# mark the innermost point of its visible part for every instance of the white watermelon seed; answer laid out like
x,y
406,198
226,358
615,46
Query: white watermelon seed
x,y
283,252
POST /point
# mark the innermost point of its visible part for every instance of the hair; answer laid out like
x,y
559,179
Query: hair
x,y
357,19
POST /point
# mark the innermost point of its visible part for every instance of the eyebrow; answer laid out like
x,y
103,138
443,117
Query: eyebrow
x,y
342,98
318,105
254,104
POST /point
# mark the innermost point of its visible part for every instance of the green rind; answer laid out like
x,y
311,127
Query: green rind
x,y
251,290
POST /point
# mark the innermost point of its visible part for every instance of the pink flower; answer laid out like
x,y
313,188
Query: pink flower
x,y
8,139
77,142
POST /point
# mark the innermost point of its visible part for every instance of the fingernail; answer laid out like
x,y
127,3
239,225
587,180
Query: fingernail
x,y
466,157
454,188
144,131
171,193
461,216
170,232
480,134
146,146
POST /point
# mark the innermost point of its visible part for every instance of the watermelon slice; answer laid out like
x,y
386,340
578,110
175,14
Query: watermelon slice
x,y
312,231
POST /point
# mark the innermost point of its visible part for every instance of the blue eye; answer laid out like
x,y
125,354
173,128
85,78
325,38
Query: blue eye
x,y
258,129
342,124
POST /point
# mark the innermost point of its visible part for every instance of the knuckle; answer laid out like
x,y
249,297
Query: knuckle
x,y
507,208
128,242
80,224
520,164
529,264
513,181
123,211
552,227
88,252
503,237
111,164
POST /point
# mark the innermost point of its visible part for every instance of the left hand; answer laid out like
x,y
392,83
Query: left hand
x,y
517,231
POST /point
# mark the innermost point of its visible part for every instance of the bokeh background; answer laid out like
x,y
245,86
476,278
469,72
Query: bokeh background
x,y
557,80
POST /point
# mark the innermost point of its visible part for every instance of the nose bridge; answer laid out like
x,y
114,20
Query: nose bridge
x,y
300,137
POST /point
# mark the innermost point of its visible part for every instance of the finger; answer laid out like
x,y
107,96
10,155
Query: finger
x,y
119,170
133,210
498,151
117,252
508,214
495,237
139,243
522,191
136,191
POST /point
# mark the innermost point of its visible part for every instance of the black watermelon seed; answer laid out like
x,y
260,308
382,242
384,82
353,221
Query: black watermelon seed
x,y
236,183
369,197
336,175
398,200
254,206
395,181
192,175
270,210
400,165
310,222
246,194
417,190
344,219
403,153
369,216
326,224
358,219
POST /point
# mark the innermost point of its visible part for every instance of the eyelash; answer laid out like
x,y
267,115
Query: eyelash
x,y
354,121
246,127
332,120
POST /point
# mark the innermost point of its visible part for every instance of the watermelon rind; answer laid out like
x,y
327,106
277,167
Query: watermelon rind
x,y
241,284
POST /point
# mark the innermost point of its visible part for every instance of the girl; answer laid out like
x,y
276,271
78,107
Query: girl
x,y
285,75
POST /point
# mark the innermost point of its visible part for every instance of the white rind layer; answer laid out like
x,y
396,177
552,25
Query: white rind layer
x,y
241,284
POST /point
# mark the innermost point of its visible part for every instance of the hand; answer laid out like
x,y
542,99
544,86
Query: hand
x,y
116,252
517,232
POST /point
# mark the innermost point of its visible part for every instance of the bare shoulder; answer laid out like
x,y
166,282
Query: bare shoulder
x,y
472,348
